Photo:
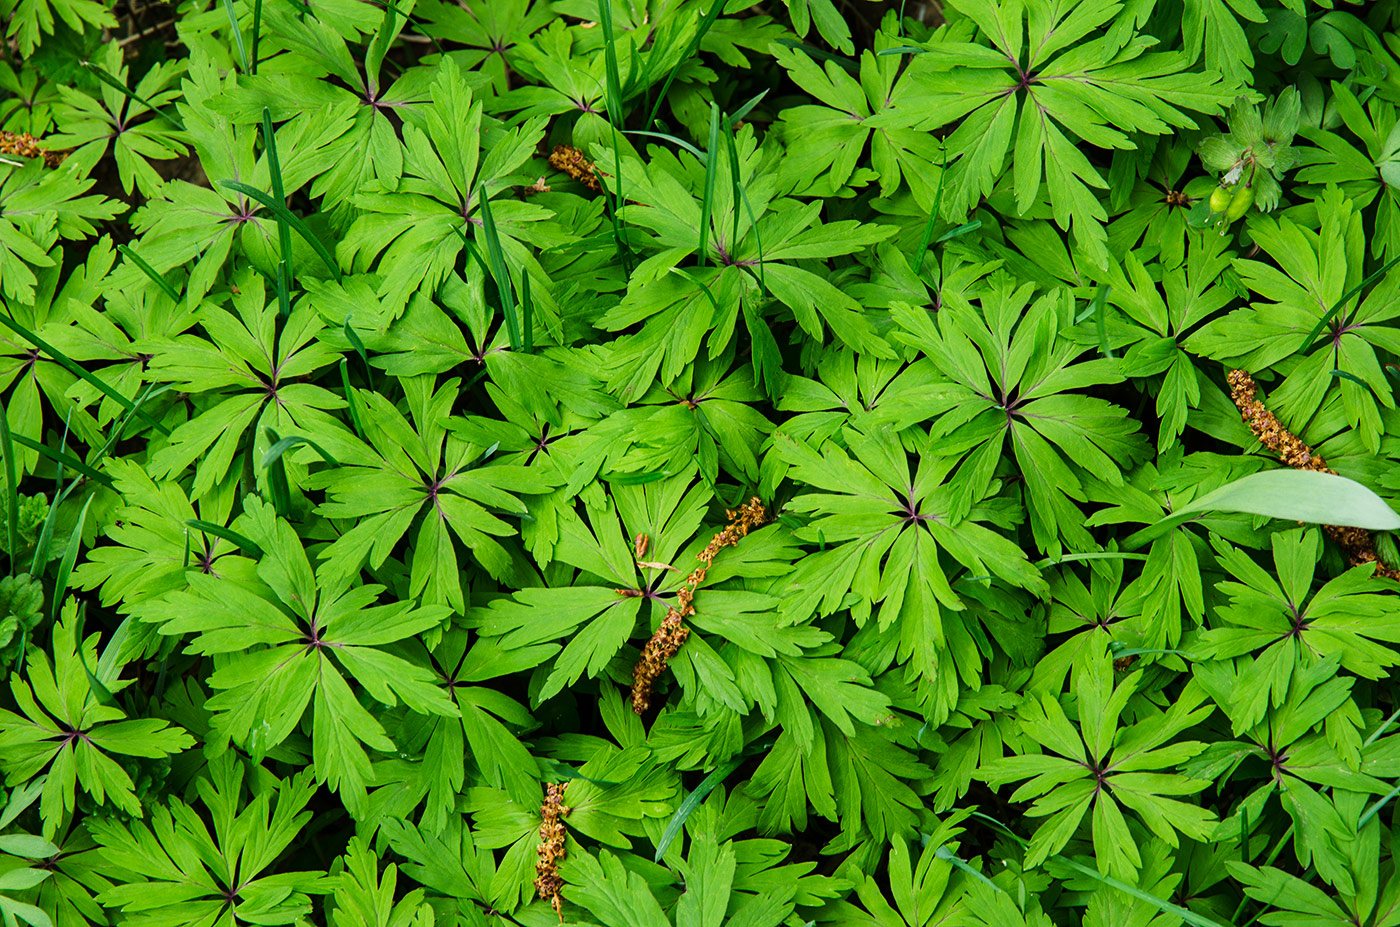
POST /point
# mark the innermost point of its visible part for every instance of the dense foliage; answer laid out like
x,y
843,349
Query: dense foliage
x,y
391,387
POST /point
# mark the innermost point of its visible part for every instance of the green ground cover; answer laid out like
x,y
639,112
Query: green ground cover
x,y
659,462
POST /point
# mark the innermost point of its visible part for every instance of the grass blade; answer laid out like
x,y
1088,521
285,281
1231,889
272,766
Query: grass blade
x,y
257,29
359,347
280,446
707,200
692,801
1310,342
277,477
67,364
351,399
679,142
527,311
292,219
918,256
1161,904
958,862
127,92
279,194
613,97
233,537
59,457
237,33
497,256
706,22
7,447
150,271
70,557
1376,808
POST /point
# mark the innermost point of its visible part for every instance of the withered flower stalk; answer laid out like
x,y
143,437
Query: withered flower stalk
x,y
571,161
1356,543
550,852
667,640
24,145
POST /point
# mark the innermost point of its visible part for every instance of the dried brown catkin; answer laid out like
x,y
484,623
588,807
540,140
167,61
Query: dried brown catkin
x,y
548,854
1356,543
667,641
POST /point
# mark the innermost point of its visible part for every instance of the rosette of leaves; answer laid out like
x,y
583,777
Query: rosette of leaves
x,y
1285,625
1099,765
130,121
887,533
417,232
1311,270
295,640
755,247
1366,165
68,728
1045,81
250,374
417,477
174,870
1013,377
1303,749
41,387
603,584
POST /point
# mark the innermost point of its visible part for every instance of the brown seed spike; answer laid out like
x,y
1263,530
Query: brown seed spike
x,y
548,882
1356,543
24,145
571,161
671,635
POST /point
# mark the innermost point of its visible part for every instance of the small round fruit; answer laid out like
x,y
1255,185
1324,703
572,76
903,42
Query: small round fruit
x,y
1240,203
1219,199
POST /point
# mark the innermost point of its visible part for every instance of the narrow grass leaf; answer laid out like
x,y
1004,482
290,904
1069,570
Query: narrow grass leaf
x,y
67,364
701,30
291,218
70,557
237,33
151,272
1310,342
7,446
219,531
707,199
497,256
691,802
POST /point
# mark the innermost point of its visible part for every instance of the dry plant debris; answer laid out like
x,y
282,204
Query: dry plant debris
x,y
550,852
672,634
24,145
1356,543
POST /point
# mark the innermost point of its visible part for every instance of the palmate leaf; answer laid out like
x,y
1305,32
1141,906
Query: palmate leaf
x,y
826,142
295,640
1097,768
617,594
482,738
890,529
248,376
138,132
416,231
758,244
419,478
173,870
38,207
1046,83
1013,377
67,730
1318,266
1286,628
